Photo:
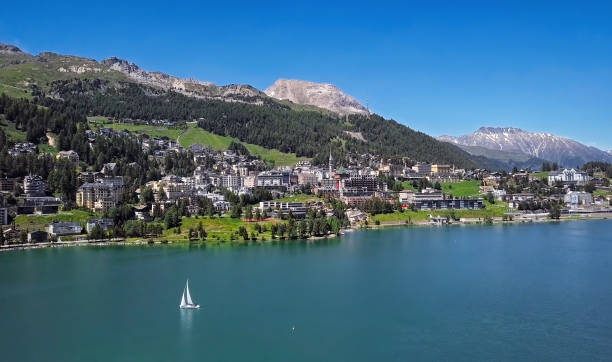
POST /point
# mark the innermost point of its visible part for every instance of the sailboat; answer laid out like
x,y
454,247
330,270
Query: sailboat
x,y
186,302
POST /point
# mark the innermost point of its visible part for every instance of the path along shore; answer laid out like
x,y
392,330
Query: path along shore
x,y
474,221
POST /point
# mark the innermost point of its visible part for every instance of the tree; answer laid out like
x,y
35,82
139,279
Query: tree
x,y
242,231
210,211
248,215
2,238
555,211
97,233
171,219
282,229
23,236
201,231
236,211
146,196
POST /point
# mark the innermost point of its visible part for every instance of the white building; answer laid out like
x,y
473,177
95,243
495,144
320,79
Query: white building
x,y
568,177
574,199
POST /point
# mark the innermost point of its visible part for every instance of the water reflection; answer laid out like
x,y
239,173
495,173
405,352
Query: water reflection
x,y
187,316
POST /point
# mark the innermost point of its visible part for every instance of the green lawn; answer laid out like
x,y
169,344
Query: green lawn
x,y
217,228
492,210
13,134
300,198
39,222
462,188
46,148
541,175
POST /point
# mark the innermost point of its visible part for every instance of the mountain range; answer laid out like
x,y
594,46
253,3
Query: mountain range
x,y
299,117
515,144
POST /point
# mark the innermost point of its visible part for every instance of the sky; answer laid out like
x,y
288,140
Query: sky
x,y
441,67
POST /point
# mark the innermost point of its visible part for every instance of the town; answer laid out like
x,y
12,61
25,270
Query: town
x,y
231,196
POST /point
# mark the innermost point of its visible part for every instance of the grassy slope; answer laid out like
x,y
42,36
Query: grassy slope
x,y
39,222
194,135
13,134
16,77
218,229
461,189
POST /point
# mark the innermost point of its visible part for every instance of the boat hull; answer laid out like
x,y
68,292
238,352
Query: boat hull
x,y
192,306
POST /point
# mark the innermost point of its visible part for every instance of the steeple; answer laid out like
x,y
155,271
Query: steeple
x,y
331,163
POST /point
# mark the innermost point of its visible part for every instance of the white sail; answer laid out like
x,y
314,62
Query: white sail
x,y
183,301
187,294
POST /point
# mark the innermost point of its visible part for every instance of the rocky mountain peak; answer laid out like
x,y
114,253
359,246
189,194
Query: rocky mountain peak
x,y
120,65
10,49
322,95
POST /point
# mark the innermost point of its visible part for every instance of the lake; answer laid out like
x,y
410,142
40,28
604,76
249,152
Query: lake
x,y
540,292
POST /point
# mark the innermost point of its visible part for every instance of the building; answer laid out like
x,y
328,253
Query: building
x,y
38,236
359,185
7,184
273,180
71,155
408,197
440,169
33,185
105,224
297,209
307,178
568,177
575,199
231,182
515,200
40,204
3,215
65,228
100,196
431,199
222,206
422,169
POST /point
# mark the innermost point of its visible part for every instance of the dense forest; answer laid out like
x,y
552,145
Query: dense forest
x,y
271,125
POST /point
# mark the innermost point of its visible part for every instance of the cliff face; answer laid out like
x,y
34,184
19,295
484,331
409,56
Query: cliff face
x,y
322,95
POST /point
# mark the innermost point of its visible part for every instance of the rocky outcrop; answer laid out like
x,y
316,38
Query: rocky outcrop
x,y
322,95
191,87
10,49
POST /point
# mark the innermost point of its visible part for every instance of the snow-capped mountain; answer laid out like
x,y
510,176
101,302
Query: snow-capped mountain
x,y
565,151
321,95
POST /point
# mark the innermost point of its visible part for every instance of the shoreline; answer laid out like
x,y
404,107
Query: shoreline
x,y
472,222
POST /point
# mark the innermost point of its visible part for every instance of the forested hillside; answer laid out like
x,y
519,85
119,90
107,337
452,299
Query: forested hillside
x,y
271,125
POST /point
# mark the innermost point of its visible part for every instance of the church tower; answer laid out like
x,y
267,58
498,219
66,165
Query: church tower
x,y
331,163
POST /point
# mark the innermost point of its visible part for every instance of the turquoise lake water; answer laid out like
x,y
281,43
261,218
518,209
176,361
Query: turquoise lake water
x,y
479,293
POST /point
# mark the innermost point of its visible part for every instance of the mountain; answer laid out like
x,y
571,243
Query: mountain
x,y
546,146
322,95
496,159
22,70
117,89
9,49
191,87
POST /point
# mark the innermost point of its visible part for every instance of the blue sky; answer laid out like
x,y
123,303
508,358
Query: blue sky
x,y
444,69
